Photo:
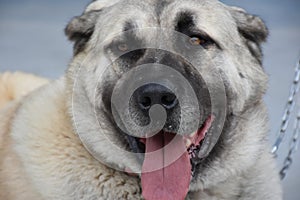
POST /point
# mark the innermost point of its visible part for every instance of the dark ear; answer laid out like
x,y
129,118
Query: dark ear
x,y
253,30
81,28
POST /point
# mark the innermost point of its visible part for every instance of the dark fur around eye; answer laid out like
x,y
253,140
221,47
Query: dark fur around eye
x,y
185,24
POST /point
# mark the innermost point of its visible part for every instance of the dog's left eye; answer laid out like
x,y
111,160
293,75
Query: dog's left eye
x,y
203,41
196,41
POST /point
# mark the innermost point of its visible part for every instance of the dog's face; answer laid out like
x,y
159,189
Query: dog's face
x,y
182,69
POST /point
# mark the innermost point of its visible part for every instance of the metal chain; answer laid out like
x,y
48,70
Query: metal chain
x,y
289,108
293,148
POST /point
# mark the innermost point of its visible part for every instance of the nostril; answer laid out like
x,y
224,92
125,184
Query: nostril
x,y
169,101
145,102
151,94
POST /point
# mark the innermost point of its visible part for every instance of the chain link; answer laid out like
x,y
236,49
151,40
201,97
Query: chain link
x,y
289,108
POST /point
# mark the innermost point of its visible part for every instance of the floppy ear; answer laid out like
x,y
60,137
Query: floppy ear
x,y
253,30
81,28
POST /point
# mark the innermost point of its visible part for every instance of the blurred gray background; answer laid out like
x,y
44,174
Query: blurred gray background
x,y
32,40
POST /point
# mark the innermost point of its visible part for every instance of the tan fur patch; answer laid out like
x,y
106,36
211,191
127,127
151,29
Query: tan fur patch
x,y
16,85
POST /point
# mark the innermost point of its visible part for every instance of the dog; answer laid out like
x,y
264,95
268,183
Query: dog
x,y
163,99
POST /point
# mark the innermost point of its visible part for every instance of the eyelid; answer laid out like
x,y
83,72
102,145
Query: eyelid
x,y
201,35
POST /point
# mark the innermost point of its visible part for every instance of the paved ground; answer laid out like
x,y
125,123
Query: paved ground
x,y
32,40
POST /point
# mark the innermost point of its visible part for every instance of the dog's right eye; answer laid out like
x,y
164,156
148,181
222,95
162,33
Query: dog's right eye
x,y
123,47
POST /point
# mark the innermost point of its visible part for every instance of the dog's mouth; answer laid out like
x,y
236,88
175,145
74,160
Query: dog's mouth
x,y
169,161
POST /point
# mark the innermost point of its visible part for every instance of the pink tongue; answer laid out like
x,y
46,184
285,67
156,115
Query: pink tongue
x,y
166,171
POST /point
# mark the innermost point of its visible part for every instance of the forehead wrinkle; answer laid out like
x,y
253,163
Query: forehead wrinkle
x,y
129,15
140,12
129,25
160,6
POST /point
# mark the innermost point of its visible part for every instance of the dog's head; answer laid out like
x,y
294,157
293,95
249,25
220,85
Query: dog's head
x,y
162,77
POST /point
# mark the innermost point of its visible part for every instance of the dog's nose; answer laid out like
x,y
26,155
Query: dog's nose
x,y
152,94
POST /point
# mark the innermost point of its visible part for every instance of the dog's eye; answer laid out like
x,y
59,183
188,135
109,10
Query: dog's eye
x,y
195,41
123,47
